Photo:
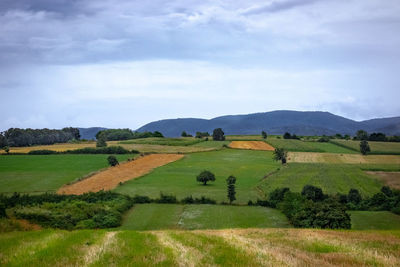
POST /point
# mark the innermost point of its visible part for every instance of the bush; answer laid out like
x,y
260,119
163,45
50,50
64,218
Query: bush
x,y
277,196
313,193
102,150
42,152
112,161
166,199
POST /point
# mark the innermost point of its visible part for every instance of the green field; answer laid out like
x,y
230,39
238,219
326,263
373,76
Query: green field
x,y
41,173
168,216
332,178
234,247
179,178
376,147
184,141
244,138
374,220
307,146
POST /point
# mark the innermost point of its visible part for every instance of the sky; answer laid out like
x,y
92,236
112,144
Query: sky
x,y
122,64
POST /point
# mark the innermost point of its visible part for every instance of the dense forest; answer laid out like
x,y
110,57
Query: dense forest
x,y
29,137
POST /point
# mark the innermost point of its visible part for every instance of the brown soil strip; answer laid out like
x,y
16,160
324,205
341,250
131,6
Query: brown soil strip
x,y
253,145
391,179
111,177
316,157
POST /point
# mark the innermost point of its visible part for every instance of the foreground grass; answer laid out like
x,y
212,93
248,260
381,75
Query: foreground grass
x,y
374,220
167,216
332,178
41,173
250,247
179,178
308,146
376,147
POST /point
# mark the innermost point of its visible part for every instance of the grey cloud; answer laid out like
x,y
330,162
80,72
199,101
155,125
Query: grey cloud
x,y
277,6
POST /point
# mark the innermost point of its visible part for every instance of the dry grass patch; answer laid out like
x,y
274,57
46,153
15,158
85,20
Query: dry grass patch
x,y
56,147
111,177
391,179
253,145
314,157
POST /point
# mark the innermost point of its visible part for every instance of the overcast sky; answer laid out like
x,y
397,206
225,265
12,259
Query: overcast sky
x,y
121,63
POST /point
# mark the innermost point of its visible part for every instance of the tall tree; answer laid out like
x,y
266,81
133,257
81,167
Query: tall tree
x,y
280,154
231,188
101,140
364,147
218,135
264,134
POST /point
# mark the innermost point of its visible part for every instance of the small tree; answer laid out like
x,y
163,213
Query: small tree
x,y
264,134
205,176
364,147
280,154
218,135
287,136
6,149
112,161
231,188
101,141
184,134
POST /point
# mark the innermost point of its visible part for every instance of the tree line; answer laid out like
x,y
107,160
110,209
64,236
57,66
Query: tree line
x,y
27,137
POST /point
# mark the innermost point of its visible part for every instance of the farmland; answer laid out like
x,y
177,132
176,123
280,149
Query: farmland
x,y
307,146
313,157
249,247
376,147
42,173
374,220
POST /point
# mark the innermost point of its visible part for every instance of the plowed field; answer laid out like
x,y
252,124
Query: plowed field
x,y
111,177
254,145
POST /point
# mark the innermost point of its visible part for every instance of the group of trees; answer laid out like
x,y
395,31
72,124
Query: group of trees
x,y
125,134
28,137
362,135
218,135
287,135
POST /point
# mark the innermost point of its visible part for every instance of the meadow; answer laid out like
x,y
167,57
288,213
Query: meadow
x,y
179,178
186,141
233,247
189,217
307,146
389,148
374,220
47,173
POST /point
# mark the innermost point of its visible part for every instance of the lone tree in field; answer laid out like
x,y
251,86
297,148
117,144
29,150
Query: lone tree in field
x,y
364,147
184,134
101,141
264,134
205,176
231,188
112,161
218,135
280,154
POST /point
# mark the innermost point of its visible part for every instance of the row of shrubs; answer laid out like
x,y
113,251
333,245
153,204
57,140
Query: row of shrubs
x,y
87,150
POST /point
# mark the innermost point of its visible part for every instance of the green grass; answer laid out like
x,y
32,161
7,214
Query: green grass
x,y
179,178
27,173
170,216
374,220
386,148
332,178
307,146
244,137
211,144
184,141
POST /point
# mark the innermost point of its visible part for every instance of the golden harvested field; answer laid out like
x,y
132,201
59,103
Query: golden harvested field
x,y
111,177
56,147
391,179
147,148
253,145
234,247
314,157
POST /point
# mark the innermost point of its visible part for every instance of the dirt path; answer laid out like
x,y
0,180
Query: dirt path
x,y
111,177
253,145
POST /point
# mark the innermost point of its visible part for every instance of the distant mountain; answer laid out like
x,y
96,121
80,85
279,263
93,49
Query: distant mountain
x,y
90,133
276,122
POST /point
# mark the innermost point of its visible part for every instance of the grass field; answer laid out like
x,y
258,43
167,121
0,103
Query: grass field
x,y
390,178
332,178
184,141
244,138
317,157
167,216
376,147
374,220
179,178
27,173
246,247
307,146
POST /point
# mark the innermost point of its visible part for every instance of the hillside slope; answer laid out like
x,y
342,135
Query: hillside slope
x,y
276,122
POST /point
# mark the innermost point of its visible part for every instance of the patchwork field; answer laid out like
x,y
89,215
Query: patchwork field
x,y
332,178
307,146
391,179
110,178
376,147
55,147
179,178
42,173
249,247
167,216
253,145
312,157
186,141
197,147
374,220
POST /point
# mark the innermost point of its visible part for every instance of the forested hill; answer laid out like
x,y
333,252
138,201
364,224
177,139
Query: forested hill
x,y
276,122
